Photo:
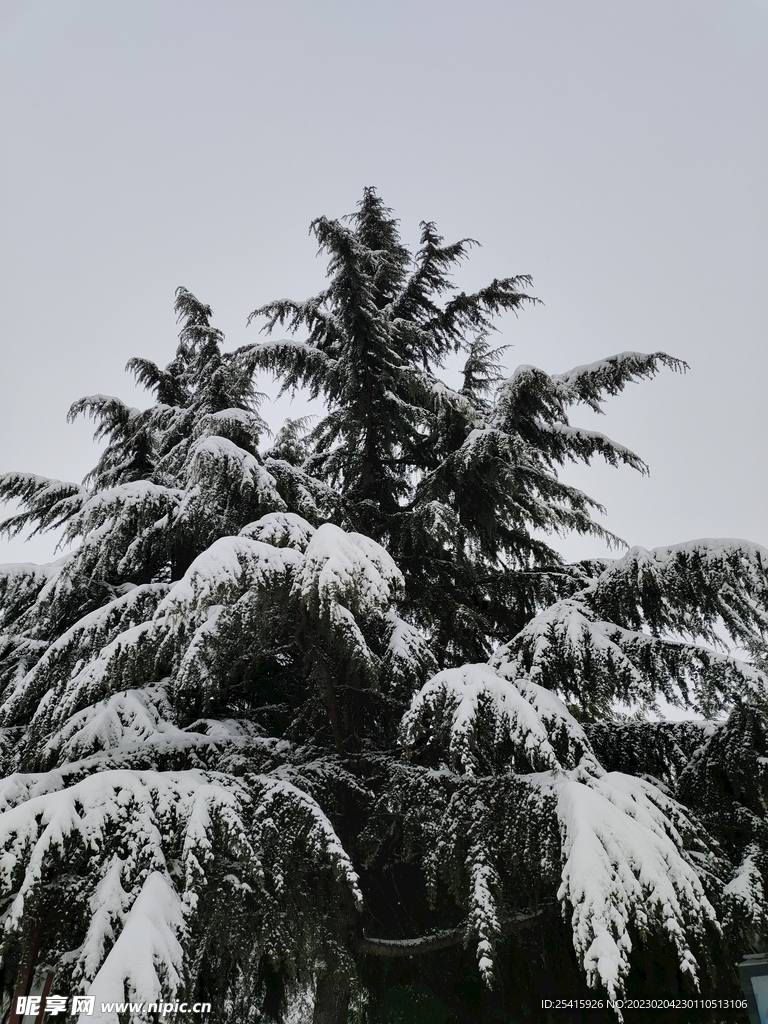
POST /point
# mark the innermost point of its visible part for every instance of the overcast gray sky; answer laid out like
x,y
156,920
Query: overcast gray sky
x,y
616,151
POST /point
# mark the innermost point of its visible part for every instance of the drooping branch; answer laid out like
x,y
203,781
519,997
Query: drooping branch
x,y
443,939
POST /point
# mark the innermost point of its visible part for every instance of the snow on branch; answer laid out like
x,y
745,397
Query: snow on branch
x,y
125,662
80,643
311,831
444,939
124,720
408,654
219,464
472,716
281,529
223,572
147,958
300,363
591,382
162,857
624,868
626,865
20,584
46,504
744,894
630,633
686,587
347,570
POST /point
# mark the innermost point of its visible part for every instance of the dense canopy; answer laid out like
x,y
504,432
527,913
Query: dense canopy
x,y
325,720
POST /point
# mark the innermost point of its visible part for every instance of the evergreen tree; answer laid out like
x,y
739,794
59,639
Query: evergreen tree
x,y
458,485
249,747
160,683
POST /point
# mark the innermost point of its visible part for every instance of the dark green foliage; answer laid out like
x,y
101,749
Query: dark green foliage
x,y
221,715
454,483
661,750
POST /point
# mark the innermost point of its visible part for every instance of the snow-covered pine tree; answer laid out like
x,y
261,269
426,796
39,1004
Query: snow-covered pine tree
x,y
239,745
459,485
159,684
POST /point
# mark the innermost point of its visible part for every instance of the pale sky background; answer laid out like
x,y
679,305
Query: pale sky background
x,y
616,151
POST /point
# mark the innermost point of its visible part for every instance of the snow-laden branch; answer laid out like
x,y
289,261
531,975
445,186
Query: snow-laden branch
x,y
446,938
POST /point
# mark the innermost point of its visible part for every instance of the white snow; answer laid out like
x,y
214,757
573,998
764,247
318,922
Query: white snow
x,y
622,863
281,529
483,709
146,961
228,567
347,569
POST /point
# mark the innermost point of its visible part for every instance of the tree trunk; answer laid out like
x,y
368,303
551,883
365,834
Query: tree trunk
x,y
332,705
332,998
46,992
326,683
28,971
334,986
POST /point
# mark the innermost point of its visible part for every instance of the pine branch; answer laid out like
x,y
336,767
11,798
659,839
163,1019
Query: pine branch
x,y
591,382
444,939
